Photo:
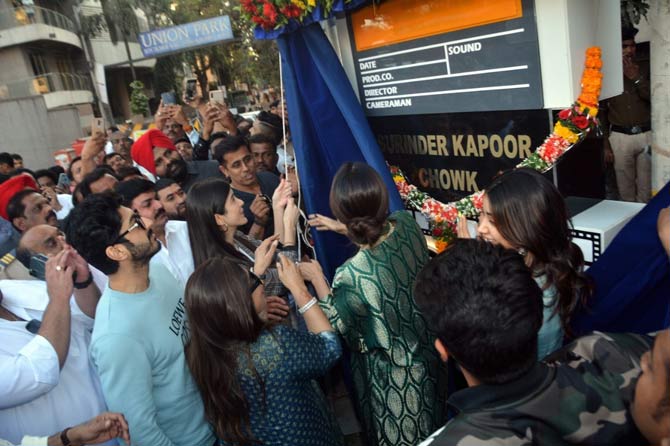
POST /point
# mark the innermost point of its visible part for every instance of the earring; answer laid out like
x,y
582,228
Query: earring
x,y
522,252
225,227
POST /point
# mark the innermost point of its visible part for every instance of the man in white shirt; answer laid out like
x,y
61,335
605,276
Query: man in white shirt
x,y
46,381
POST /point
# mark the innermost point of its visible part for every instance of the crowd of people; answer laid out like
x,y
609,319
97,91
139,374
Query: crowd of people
x,y
166,280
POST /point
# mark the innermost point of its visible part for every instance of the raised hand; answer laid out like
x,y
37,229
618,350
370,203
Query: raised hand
x,y
50,194
311,270
291,215
264,254
281,195
210,117
290,276
162,115
630,69
226,118
177,114
323,223
261,210
58,275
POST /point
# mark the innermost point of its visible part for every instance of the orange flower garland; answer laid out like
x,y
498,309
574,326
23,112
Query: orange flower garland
x,y
572,126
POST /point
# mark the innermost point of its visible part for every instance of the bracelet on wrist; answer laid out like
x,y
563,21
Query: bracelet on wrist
x,y
260,277
85,283
63,437
307,306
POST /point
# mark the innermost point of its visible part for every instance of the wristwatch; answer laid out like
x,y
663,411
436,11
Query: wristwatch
x,y
260,277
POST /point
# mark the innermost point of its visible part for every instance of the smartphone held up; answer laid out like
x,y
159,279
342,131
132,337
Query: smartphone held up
x,y
97,126
190,89
217,96
168,98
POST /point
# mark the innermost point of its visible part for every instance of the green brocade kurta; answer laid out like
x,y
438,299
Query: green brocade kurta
x,y
398,377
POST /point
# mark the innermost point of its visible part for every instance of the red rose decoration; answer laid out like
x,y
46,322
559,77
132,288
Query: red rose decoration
x,y
564,114
248,5
270,12
437,232
580,121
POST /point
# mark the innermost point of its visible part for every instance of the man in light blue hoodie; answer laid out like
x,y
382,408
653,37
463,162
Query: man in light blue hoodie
x,y
140,328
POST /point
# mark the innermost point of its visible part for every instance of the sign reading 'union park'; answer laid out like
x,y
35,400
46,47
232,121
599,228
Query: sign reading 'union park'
x,y
182,37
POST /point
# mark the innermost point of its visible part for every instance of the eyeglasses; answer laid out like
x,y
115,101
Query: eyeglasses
x,y
138,223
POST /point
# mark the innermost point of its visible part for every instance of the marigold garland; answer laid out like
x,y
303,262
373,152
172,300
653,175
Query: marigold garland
x,y
572,126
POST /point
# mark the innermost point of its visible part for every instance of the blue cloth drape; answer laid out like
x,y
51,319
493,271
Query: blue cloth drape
x,y
632,278
328,128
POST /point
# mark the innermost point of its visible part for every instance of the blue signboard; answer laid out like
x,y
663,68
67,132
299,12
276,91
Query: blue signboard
x,y
183,37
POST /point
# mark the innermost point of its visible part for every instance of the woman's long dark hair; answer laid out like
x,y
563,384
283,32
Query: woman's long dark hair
x,y
359,199
206,198
223,323
530,213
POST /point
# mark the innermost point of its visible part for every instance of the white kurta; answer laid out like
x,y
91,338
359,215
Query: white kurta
x,y
36,397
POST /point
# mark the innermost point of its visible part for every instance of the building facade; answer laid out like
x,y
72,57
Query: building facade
x,y
47,97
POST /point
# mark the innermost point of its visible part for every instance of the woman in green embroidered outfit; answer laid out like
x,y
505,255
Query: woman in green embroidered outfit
x,y
398,378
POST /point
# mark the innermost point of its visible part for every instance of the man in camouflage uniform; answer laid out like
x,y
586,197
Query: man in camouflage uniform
x,y
486,309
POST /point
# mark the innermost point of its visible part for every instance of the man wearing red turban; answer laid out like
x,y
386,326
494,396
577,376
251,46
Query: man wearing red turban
x,y
21,208
155,152
11,187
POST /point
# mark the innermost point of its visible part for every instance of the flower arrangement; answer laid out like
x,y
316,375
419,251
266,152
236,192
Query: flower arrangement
x,y
572,126
274,14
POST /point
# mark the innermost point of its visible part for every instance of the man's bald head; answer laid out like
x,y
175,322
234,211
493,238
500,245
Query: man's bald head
x,y
41,239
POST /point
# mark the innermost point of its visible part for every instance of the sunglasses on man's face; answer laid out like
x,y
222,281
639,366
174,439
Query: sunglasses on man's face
x,y
137,223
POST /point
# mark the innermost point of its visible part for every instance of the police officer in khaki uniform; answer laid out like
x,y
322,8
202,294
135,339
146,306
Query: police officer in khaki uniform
x,y
626,120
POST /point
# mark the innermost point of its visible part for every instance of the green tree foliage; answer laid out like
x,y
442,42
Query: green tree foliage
x,y
255,62
166,74
120,19
632,11
244,59
139,102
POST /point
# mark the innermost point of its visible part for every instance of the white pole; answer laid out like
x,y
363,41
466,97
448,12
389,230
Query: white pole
x,y
659,18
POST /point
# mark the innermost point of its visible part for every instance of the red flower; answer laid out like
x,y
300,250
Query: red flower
x,y
580,121
248,5
270,12
403,189
478,200
450,213
257,20
437,231
291,11
564,114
